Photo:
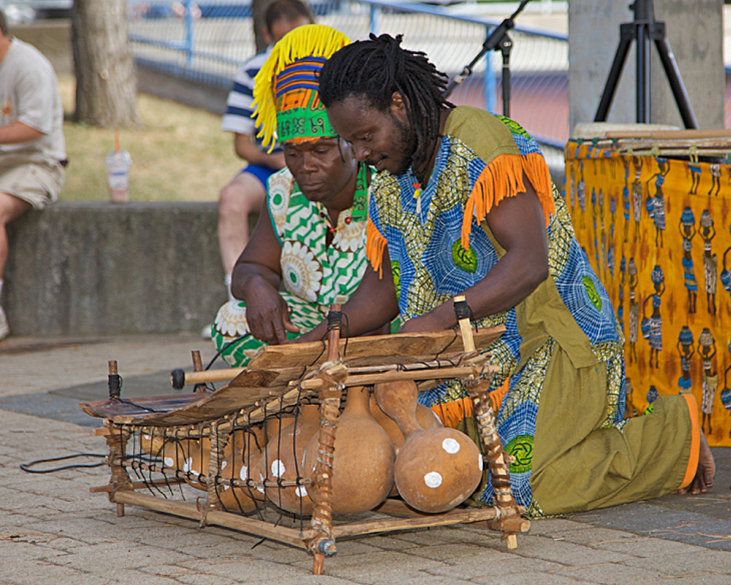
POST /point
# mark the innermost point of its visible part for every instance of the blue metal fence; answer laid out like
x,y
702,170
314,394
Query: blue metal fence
x,y
206,42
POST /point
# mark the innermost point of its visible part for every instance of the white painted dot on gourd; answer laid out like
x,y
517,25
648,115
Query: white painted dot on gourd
x,y
451,445
261,480
188,465
148,438
168,461
480,461
243,473
225,488
433,479
301,491
278,468
224,465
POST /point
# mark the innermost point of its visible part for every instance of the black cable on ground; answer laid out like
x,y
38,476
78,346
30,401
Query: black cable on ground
x,y
27,466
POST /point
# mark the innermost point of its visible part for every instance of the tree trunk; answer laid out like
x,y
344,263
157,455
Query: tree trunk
x,y
258,8
106,81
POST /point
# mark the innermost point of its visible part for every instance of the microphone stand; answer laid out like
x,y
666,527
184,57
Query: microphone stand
x,y
498,40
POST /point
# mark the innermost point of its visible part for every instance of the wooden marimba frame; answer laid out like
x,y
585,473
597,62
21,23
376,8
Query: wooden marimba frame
x,y
262,391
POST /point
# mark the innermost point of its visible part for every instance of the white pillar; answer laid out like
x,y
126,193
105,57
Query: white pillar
x,y
695,33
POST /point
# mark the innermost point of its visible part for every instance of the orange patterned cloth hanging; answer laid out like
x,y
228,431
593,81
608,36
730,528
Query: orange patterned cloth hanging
x,y
658,233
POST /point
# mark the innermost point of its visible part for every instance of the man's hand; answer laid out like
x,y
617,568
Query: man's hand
x,y
267,314
428,322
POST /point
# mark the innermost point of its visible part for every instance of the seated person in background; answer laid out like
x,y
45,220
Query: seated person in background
x,y
463,204
310,236
32,146
245,193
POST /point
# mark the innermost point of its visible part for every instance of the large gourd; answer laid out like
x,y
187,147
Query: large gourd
x,y
436,469
283,460
362,474
151,443
425,416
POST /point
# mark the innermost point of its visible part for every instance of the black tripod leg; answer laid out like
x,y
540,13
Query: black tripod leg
x,y
676,82
625,39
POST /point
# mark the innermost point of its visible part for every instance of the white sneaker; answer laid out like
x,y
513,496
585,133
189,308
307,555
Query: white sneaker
x,y
4,327
205,332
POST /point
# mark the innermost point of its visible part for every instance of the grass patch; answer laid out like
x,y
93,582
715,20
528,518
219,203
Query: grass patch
x,y
179,154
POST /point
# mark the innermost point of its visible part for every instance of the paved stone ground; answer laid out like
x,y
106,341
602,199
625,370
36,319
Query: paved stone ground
x,y
52,530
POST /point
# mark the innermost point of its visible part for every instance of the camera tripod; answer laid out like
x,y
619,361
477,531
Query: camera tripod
x,y
644,29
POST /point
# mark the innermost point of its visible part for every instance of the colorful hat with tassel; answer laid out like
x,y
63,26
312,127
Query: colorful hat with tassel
x,y
287,106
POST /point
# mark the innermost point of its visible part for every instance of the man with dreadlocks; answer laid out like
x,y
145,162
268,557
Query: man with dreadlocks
x,y
311,233
464,204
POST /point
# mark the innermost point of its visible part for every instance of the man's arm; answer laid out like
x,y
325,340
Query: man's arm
x,y
248,150
518,225
255,280
17,132
372,305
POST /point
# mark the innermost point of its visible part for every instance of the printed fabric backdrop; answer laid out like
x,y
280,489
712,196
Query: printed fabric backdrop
x,y
658,233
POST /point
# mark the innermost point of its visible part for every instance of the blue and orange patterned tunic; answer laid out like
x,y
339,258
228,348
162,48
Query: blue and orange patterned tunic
x,y
441,246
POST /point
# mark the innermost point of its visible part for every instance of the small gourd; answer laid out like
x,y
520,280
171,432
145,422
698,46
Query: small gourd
x,y
175,453
196,465
282,460
244,455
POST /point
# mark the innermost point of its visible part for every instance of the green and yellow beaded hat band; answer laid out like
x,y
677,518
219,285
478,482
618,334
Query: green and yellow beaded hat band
x,y
287,106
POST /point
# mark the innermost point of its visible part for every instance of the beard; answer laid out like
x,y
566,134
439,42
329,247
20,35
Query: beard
x,y
405,146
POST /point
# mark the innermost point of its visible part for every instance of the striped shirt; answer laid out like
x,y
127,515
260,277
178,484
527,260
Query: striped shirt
x,y
238,105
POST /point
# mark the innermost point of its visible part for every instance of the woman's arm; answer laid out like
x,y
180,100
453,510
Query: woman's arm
x,y
255,280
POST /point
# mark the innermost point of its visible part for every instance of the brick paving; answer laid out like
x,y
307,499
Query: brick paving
x,y
52,530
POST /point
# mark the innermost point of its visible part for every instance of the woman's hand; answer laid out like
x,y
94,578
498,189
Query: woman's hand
x,y
267,312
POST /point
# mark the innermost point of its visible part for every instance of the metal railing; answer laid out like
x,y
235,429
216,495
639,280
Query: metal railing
x,y
207,43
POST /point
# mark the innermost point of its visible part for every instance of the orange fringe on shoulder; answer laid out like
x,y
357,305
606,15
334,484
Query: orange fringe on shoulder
x,y
375,245
502,178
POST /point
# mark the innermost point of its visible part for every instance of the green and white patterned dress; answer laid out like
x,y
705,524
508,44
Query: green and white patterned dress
x,y
314,275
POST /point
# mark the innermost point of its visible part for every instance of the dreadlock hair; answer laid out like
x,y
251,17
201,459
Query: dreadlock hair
x,y
377,68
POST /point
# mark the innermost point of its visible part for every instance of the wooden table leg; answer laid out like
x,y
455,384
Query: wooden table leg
x,y
117,443
323,544
509,522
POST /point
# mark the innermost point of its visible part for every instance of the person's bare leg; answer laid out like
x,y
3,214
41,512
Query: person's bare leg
x,y
703,479
10,208
241,197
